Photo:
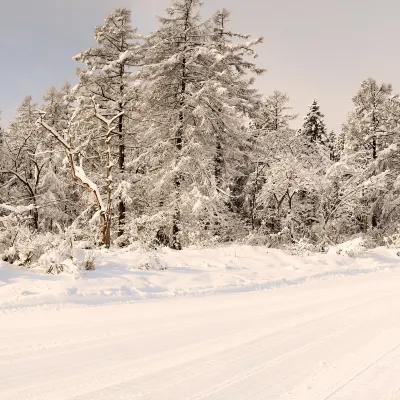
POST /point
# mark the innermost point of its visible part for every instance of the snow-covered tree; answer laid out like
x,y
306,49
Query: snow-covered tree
x,y
2,133
76,136
339,145
109,80
64,201
371,123
289,199
274,113
372,128
24,164
198,89
314,126
232,76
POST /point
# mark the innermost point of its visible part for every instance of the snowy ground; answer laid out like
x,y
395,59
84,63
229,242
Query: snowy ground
x,y
189,273
334,336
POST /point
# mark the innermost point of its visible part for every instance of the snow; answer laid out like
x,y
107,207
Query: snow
x,y
322,339
132,275
17,209
81,176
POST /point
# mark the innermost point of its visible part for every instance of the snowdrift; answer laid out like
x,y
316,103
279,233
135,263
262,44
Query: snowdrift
x,y
125,276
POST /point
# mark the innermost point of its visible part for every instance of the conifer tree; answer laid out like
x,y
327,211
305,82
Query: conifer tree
x,y
314,127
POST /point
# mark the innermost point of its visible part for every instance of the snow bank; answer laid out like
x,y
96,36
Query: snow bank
x,y
124,276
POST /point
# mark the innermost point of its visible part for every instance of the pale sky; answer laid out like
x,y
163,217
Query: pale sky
x,y
312,48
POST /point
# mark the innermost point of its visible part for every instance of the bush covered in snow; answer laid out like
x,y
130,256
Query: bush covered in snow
x,y
354,247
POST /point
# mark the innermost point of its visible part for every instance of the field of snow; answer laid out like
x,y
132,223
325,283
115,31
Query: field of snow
x,y
233,323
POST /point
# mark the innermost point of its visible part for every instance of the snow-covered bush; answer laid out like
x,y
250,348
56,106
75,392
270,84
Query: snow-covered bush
x,y
256,239
302,247
20,245
54,258
149,261
393,241
89,262
354,247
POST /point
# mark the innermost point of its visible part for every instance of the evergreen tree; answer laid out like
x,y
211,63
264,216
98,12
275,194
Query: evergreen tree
x,y
314,127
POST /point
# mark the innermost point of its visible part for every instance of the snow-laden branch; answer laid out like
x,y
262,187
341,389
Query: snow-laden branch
x,y
17,209
77,171
55,134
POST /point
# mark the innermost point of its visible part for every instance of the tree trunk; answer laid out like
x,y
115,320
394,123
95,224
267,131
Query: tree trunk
x,y
176,221
35,217
105,229
109,179
374,219
374,152
121,165
219,159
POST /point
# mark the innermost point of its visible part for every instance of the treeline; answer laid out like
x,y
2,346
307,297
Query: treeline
x,y
165,141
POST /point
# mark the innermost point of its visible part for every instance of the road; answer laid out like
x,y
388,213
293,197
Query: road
x,y
330,339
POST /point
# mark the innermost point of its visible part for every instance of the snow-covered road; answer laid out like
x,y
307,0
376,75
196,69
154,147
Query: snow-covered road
x,y
330,339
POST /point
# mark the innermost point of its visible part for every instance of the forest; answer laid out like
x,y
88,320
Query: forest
x,y
166,141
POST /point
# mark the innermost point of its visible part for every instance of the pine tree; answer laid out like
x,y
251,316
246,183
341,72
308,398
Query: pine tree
x,y
314,127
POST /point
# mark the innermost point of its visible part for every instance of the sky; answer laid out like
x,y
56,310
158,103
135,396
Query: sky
x,y
312,48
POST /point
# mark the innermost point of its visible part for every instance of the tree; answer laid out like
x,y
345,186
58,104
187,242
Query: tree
x,y
2,133
339,145
109,81
314,127
24,164
64,203
232,79
197,88
371,123
274,114
289,199
372,127
75,135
